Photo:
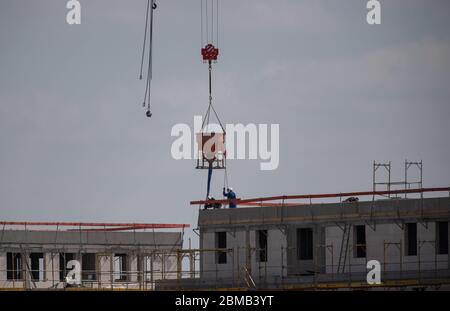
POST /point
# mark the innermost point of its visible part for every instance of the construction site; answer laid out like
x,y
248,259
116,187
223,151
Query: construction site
x,y
265,244
322,241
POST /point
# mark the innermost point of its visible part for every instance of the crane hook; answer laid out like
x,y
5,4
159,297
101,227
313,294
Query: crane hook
x,y
148,113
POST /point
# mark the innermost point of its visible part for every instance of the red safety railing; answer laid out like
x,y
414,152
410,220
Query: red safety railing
x,y
259,201
93,226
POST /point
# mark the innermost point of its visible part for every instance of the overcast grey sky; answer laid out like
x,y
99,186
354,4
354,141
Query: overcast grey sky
x,y
75,143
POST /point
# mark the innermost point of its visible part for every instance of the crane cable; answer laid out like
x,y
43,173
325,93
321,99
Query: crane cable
x,y
145,39
209,22
210,106
210,31
204,8
151,5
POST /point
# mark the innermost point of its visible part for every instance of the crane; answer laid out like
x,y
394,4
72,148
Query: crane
x,y
212,154
148,32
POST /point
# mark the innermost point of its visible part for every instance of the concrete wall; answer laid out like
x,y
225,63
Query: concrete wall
x,y
51,270
276,247
114,242
243,254
104,267
386,243
296,266
210,268
282,252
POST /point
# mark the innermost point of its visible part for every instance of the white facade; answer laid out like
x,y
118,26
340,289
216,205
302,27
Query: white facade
x,y
111,260
384,243
319,256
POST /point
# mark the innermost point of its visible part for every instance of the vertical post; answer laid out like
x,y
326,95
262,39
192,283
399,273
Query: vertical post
x,y
373,180
265,265
418,257
332,260
111,269
421,181
248,255
315,247
421,173
13,270
349,263
401,258
98,273
406,177
282,266
389,179
151,271
216,261
144,271
384,257
232,265
179,266
259,264
421,191
435,258
238,267
52,256
24,259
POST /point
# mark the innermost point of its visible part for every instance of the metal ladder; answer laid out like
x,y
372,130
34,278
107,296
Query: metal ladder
x,y
344,248
248,279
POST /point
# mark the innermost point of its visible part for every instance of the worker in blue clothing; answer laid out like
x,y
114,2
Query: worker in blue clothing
x,y
230,195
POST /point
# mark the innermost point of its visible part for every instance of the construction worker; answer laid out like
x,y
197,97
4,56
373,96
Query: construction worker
x,y
212,204
230,195
208,205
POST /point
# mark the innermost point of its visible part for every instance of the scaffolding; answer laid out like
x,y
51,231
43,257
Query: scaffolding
x,y
181,269
40,255
342,267
432,272
389,184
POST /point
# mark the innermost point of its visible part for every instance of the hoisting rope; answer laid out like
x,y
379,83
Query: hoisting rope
x,y
209,27
205,129
209,42
210,106
151,5
145,39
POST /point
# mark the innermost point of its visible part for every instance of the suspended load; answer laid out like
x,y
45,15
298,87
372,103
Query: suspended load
x,y
211,145
211,150
211,141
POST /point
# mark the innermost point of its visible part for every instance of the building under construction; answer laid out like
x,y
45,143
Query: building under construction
x,y
325,246
38,255
270,244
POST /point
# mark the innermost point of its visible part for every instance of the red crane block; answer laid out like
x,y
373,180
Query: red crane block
x,y
210,53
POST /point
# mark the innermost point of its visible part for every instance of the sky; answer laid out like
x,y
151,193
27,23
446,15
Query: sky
x,y
75,144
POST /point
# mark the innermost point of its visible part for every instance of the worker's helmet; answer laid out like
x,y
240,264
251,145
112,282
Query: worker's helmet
x,y
230,189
